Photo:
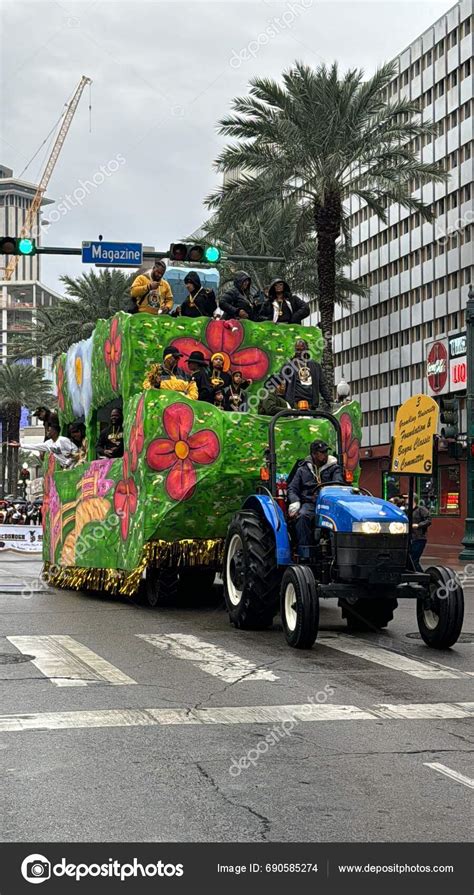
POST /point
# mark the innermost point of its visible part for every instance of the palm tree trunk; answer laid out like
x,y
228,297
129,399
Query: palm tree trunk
x,y
327,219
3,474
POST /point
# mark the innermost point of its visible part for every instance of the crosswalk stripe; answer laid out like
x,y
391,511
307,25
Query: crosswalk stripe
x,y
448,772
209,658
397,661
155,717
68,663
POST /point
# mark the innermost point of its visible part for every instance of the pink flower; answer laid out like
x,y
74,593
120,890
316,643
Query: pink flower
x,y
125,498
350,444
251,362
113,353
181,451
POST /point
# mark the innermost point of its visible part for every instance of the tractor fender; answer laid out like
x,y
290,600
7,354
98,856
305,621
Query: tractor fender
x,y
263,505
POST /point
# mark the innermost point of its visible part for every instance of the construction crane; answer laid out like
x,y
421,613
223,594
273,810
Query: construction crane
x,y
46,176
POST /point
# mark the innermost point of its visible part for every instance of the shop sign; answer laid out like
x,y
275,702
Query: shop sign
x,y
415,425
437,367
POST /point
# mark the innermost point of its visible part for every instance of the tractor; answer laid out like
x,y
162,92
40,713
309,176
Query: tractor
x,y
360,555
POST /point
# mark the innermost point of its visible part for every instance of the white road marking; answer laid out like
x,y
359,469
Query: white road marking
x,y
209,658
448,772
415,667
155,717
69,663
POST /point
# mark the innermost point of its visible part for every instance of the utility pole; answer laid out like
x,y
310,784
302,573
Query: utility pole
x,y
468,540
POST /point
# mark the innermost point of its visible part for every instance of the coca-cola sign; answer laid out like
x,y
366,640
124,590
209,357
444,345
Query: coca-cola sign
x,y
437,367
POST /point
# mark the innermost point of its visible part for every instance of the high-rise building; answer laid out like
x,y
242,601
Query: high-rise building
x,y
418,274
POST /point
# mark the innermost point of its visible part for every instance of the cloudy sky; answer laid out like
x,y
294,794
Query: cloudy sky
x,y
139,167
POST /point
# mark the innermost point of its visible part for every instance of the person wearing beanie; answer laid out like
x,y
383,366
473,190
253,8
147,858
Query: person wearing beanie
x,y
151,293
200,302
318,468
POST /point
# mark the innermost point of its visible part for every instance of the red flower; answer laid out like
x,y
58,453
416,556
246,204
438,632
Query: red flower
x,y
350,444
113,352
251,362
181,451
125,498
60,384
137,435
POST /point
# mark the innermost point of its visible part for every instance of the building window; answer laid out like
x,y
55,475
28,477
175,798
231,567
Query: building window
x,y
466,28
449,490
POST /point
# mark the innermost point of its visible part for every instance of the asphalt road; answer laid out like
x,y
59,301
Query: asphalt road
x,y
169,739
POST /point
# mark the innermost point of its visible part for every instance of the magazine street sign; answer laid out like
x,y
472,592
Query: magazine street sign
x,y
113,254
415,426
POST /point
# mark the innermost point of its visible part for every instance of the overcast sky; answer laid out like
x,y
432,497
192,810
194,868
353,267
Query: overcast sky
x,y
163,74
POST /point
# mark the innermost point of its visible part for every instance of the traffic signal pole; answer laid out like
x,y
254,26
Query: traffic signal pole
x,y
468,553
68,250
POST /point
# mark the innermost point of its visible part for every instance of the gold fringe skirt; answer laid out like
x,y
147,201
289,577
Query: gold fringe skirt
x,y
156,554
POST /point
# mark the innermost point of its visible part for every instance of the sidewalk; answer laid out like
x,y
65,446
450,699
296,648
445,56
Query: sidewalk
x,y
438,554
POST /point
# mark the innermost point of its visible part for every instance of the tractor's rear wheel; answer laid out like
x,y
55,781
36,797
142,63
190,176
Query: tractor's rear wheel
x,y
160,587
196,581
299,603
250,573
369,614
440,614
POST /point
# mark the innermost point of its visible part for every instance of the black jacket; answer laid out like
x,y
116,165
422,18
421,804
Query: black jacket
x,y
111,439
201,304
302,486
234,300
293,309
205,389
319,386
421,517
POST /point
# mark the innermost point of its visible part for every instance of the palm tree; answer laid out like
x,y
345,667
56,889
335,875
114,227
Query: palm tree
x,y
89,297
322,139
21,385
279,230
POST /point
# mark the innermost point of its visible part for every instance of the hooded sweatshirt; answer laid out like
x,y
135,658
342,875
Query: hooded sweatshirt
x,y
290,310
151,297
202,303
235,299
302,487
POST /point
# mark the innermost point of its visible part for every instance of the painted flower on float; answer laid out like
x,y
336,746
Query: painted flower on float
x,y
137,435
113,353
60,386
226,337
125,497
181,451
350,444
79,378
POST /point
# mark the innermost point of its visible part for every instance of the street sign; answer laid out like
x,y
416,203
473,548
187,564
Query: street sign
x,y
415,426
113,254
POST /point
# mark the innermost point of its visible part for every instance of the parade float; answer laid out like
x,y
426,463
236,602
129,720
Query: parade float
x,y
163,509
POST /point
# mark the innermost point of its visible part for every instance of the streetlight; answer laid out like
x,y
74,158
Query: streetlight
x,y
343,391
468,539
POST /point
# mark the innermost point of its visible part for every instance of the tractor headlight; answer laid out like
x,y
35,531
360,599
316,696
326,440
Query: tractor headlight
x,y
367,528
377,528
398,528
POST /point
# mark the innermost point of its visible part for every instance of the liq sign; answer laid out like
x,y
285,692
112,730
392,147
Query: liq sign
x,y
446,365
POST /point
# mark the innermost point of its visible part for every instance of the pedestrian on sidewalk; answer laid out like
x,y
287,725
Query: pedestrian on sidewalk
x,y
421,522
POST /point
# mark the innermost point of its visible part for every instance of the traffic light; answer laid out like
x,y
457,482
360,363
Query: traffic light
x,y
13,245
449,417
194,253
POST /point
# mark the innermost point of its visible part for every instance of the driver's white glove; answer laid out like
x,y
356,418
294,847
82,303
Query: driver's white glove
x,y
293,508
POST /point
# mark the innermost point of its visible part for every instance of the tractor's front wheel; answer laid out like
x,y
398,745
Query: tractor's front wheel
x,y
368,614
250,572
299,607
440,614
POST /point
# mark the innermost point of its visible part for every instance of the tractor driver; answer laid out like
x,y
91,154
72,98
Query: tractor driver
x,y
319,468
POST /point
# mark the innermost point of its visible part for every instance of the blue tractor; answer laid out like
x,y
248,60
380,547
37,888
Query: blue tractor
x,y
360,555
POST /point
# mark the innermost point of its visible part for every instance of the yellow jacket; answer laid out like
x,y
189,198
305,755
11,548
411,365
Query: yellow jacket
x,y
142,290
173,384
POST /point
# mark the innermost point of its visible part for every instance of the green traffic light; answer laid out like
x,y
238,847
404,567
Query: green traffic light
x,y
212,254
26,246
